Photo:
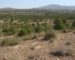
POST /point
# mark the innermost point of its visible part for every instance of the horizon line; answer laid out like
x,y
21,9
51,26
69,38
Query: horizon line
x,y
34,7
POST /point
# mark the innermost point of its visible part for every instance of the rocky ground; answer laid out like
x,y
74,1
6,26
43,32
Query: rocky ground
x,y
63,48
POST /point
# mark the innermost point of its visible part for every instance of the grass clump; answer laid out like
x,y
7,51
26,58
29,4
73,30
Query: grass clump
x,y
9,42
49,36
9,31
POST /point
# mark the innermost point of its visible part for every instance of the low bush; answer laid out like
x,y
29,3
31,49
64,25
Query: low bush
x,y
59,25
21,33
24,31
73,24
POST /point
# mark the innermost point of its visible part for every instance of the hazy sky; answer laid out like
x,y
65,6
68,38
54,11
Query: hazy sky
x,y
33,3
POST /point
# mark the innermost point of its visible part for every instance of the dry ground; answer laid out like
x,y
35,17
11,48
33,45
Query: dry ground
x,y
39,50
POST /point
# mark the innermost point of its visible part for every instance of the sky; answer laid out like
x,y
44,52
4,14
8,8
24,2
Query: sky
x,y
33,3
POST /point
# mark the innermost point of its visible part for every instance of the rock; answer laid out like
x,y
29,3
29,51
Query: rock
x,y
37,47
35,43
57,59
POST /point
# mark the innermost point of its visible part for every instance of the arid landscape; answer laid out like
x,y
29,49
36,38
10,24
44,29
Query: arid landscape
x,y
63,48
25,37
30,31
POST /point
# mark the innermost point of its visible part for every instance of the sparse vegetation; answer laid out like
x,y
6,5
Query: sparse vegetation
x,y
9,42
45,33
24,25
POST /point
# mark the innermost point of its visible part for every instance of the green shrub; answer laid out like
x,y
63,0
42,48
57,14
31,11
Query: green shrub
x,y
46,26
37,28
41,27
21,33
73,24
59,25
24,31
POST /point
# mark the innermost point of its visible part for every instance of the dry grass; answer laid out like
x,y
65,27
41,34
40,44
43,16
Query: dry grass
x,y
49,36
9,42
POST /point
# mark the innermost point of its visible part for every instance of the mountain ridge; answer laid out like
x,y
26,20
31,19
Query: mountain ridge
x,y
54,7
57,7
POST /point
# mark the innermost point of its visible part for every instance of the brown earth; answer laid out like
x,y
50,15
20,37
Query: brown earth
x,y
39,50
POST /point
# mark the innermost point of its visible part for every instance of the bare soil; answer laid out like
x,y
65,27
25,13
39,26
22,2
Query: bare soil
x,y
40,50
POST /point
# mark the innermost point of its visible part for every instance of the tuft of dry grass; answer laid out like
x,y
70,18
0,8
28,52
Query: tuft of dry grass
x,y
49,36
9,42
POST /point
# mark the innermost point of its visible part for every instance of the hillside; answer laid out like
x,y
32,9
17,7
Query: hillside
x,y
42,8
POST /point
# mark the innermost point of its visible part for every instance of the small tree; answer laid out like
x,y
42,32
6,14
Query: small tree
x,y
58,24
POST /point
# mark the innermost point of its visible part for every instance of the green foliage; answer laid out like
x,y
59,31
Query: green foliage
x,y
22,32
9,30
59,25
25,31
46,26
41,27
27,23
37,29
73,24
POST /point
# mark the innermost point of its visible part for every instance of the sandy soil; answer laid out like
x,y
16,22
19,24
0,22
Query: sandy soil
x,y
39,50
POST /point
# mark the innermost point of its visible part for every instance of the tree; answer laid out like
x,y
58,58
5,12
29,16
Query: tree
x,y
59,25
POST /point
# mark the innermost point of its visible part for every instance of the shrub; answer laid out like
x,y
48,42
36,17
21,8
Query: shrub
x,y
37,29
59,25
24,31
73,24
21,33
46,26
42,27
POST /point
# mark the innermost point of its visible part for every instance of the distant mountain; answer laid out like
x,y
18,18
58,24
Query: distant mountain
x,y
43,8
7,8
56,7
